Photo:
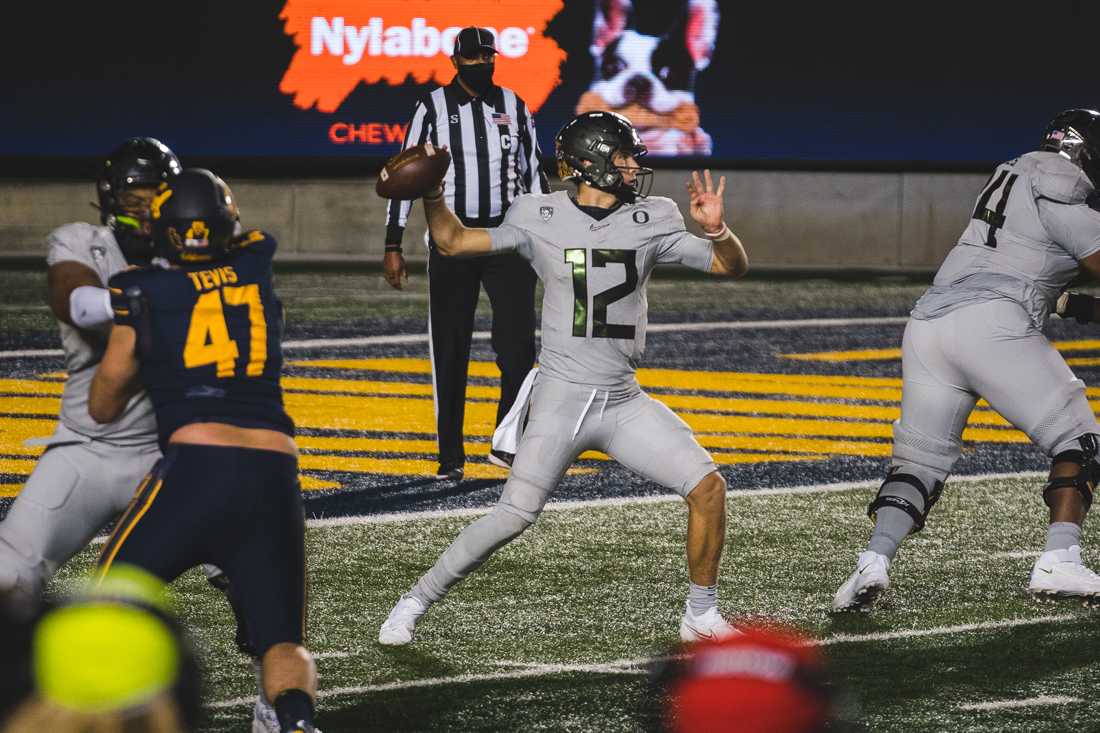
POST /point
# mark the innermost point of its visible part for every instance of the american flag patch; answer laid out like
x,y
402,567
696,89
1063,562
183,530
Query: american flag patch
x,y
499,118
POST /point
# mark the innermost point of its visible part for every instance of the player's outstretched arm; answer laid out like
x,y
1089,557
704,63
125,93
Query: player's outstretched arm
x,y
708,210
450,235
115,380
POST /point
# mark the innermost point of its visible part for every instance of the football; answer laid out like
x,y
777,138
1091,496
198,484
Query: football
x,y
413,172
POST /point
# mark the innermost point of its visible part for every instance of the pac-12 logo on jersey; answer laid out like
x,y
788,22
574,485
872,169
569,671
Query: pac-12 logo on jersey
x,y
641,216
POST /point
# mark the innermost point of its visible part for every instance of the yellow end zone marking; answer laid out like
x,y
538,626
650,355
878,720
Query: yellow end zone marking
x,y
363,386
15,430
31,387
776,429
30,405
18,466
894,354
311,483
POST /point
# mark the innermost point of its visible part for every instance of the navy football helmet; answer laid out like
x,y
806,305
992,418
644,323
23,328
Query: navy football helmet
x,y
194,218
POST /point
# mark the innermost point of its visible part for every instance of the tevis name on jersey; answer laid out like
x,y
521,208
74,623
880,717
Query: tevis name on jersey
x,y
594,272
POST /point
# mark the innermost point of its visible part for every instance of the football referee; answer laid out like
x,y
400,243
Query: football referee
x,y
494,158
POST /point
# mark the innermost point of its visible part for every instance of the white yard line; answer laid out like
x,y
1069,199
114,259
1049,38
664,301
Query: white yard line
x,y
563,506
1025,703
638,666
1015,555
419,338
1009,623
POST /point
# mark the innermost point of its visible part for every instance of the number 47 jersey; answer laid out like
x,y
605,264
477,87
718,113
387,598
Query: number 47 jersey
x,y
594,265
1030,226
209,338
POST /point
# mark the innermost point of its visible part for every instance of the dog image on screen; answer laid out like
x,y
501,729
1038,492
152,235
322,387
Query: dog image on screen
x,y
647,54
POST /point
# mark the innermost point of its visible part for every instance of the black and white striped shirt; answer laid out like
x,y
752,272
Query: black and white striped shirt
x,y
494,153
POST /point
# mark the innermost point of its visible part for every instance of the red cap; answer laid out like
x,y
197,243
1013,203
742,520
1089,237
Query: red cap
x,y
760,681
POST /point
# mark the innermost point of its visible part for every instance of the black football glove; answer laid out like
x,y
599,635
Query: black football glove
x,y
1076,305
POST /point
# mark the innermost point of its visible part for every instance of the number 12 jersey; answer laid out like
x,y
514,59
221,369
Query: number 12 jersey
x,y
594,271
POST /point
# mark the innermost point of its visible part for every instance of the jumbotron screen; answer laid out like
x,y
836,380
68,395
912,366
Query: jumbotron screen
x,y
727,80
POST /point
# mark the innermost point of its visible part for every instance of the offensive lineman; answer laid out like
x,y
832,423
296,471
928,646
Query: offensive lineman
x,y
594,252
977,333
204,339
88,473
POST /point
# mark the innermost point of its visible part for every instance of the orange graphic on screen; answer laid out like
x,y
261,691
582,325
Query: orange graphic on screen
x,y
344,42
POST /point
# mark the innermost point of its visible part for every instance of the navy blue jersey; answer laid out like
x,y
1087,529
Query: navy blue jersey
x,y
209,338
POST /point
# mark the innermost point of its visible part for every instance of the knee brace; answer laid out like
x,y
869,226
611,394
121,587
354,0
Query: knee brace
x,y
1088,472
889,496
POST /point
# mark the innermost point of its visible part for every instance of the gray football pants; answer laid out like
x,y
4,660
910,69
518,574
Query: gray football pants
x,y
74,490
564,421
989,350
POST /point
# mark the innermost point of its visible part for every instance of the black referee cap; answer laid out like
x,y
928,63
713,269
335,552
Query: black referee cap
x,y
472,41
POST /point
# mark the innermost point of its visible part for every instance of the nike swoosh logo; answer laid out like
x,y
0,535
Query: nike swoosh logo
x,y
1044,570
708,636
594,227
863,569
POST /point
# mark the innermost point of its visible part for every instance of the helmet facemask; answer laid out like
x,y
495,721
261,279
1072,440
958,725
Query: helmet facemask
x,y
126,184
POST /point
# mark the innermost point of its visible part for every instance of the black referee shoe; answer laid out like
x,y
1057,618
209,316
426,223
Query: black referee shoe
x,y
449,472
501,458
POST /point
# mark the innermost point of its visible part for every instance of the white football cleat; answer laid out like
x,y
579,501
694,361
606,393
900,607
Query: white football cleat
x,y
397,629
865,584
1061,574
707,626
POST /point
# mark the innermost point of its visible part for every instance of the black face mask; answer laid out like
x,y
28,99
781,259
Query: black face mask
x,y
478,77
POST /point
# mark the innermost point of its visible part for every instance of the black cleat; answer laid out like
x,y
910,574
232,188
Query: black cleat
x,y
452,472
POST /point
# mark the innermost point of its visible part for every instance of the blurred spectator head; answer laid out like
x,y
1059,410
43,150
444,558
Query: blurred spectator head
x,y
110,660
764,680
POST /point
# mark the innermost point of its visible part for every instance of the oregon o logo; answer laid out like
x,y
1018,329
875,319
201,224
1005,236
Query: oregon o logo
x,y
641,217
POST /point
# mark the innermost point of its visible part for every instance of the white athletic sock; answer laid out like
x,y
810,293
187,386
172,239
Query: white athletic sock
x,y
702,598
1062,536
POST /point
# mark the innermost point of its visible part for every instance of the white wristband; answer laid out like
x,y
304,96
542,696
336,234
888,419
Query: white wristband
x,y
90,306
720,234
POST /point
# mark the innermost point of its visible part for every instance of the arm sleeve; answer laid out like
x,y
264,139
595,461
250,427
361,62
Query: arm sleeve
x,y
534,178
1075,227
511,236
397,212
677,246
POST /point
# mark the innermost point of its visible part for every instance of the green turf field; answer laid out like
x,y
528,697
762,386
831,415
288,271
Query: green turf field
x,y
554,632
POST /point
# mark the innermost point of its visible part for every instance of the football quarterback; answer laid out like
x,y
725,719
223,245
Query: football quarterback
x,y
594,250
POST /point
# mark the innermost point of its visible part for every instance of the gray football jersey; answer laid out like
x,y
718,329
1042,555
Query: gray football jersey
x,y
594,275
96,248
1029,228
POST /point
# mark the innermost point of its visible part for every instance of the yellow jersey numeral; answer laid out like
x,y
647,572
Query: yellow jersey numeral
x,y
208,339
